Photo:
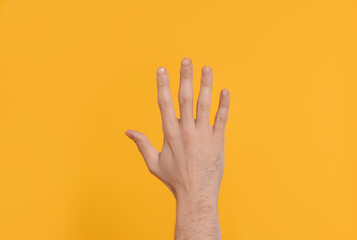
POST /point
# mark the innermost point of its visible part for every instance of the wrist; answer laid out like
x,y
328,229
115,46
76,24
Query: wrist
x,y
196,200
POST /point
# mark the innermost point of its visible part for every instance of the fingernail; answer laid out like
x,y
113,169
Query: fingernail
x,y
206,70
160,70
186,61
225,92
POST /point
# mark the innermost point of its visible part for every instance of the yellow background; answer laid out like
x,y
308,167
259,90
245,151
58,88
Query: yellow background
x,y
74,75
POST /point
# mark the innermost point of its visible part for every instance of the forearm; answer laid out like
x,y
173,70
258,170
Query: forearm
x,y
197,219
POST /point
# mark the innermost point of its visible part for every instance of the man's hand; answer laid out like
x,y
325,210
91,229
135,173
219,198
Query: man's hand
x,y
191,161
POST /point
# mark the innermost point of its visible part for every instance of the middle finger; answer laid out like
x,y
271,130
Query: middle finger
x,y
186,93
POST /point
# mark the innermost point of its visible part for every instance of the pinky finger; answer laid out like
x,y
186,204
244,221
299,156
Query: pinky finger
x,y
222,112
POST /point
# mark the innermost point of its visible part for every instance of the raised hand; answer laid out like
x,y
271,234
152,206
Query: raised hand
x,y
191,161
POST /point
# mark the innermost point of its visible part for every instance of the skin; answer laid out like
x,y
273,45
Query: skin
x,y
191,161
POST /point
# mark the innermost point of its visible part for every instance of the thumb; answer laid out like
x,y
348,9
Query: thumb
x,y
147,150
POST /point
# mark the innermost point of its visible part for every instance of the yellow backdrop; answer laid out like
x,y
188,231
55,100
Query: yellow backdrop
x,y
74,75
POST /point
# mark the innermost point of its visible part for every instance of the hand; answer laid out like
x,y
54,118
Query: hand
x,y
191,161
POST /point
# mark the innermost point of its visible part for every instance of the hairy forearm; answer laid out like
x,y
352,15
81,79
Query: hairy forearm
x,y
197,219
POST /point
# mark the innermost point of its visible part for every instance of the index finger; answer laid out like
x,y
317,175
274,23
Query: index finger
x,y
164,99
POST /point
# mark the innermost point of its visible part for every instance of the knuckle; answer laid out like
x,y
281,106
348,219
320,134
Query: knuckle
x,y
202,106
169,135
186,73
225,105
185,100
161,83
221,119
163,103
206,81
140,146
186,135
